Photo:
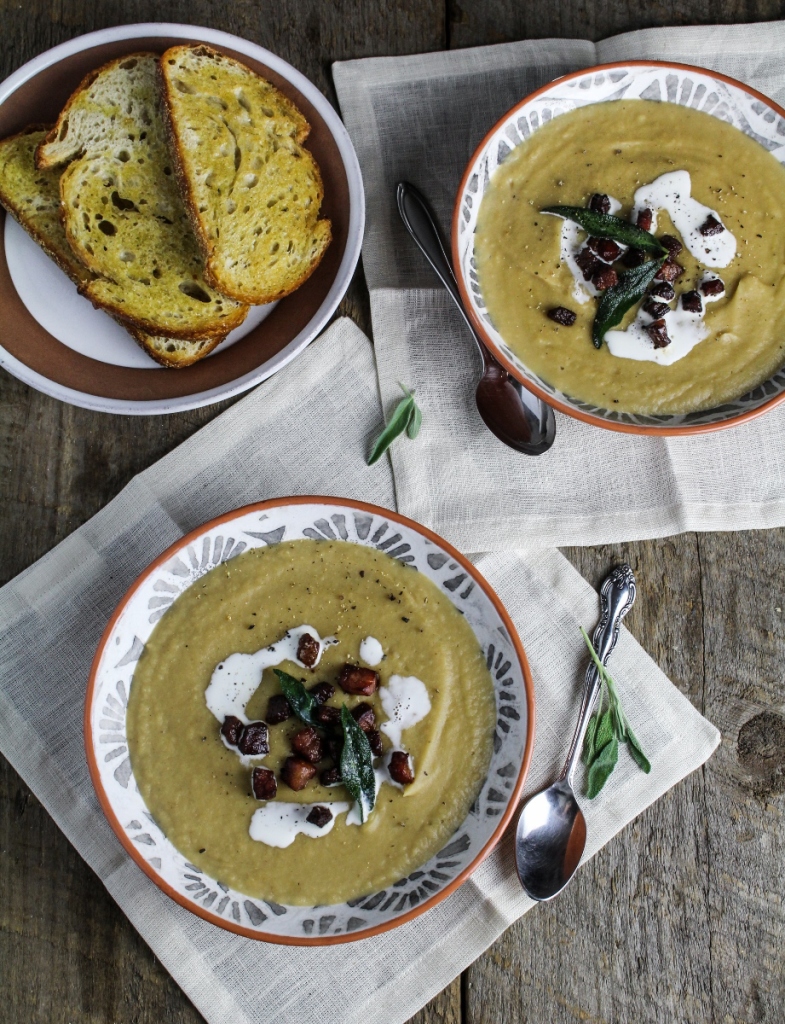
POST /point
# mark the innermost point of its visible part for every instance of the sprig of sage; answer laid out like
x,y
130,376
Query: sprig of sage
x,y
605,225
357,765
301,701
608,727
615,301
407,417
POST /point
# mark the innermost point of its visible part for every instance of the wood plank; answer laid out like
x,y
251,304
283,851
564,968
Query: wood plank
x,y
743,585
477,23
67,952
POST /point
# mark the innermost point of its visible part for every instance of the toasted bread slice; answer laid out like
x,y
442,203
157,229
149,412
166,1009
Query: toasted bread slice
x,y
252,190
32,197
123,213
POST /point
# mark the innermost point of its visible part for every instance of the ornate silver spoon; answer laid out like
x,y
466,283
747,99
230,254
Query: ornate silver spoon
x,y
551,832
512,413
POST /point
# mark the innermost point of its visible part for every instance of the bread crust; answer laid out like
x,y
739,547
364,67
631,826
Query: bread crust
x,y
178,362
211,273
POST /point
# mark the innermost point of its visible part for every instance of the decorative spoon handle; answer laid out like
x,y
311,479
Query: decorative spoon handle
x,y
617,596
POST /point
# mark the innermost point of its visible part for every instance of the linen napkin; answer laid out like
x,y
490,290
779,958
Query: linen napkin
x,y
307,430
420,119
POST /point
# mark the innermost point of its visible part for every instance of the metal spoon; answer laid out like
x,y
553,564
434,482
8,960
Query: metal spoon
x,y
551,832
510,411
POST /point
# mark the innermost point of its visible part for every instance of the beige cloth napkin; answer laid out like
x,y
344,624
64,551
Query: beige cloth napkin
x,y
419,119
305,431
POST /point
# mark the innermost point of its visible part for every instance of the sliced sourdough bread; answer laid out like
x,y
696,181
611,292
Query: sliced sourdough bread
x,y
252,190
122,210
32,197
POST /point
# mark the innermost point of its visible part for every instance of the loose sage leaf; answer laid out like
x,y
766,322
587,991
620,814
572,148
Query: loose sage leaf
x,y
636,752
620,727
398,423
605,731
615,302
605,225
415,421
303,703
588,741
601,767
357,765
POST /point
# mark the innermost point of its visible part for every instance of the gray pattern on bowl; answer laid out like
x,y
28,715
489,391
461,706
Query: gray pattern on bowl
x,y
124,646
664,83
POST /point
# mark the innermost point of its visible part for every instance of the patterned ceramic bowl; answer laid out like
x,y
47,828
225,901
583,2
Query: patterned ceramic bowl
x,y
112,677
714,94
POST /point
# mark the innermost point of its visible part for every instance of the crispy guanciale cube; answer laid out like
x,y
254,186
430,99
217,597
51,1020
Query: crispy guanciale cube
x,y
320,816
308,744
600,203
358,680
669,271
364,716
334,744
278,709
401,768
658,333
327,715
645,218
605,279
297,773
254,739
605,248
330,777
664,290
633,257
264,783
655,309
691,302
673,245
562,315
308,650
713,286
711,226
588,263
375,742
322,692
232,730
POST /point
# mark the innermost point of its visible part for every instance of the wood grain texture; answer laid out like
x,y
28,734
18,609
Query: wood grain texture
x,y
680,918
478,22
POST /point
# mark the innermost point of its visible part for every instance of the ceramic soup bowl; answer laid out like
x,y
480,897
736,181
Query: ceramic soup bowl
x,y
714,94
177,569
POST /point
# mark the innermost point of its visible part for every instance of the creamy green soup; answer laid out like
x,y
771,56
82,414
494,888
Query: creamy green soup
x,y
616,148
198,790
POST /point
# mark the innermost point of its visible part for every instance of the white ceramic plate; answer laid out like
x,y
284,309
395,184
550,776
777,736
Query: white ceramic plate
x,y
112,677
81,355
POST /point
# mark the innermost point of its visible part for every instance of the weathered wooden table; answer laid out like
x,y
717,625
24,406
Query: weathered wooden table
x,y
680,918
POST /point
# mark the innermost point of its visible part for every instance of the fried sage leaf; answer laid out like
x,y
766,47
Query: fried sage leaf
x,y
615,302
357,765
605,225
302,702
407,416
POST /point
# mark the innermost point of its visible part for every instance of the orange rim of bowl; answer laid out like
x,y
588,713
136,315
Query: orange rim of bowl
x,y
596,421
365,933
